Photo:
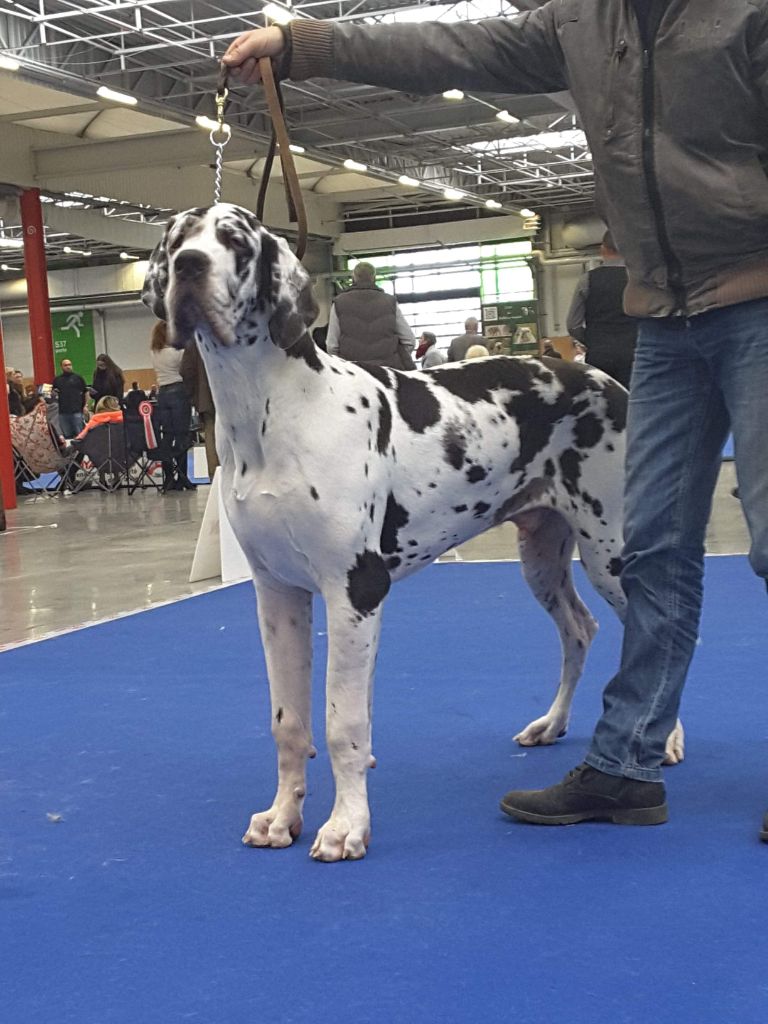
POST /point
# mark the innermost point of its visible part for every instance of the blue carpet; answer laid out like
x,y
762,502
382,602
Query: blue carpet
x,y
150,738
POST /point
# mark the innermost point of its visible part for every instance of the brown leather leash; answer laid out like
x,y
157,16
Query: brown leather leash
x,y
280,140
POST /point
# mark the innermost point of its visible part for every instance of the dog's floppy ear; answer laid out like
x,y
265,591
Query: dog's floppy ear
x,y
156,280
295,307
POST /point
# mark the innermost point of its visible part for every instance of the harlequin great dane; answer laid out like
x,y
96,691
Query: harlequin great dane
x,y
341,478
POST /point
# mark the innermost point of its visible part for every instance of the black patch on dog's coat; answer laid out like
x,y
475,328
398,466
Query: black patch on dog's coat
x,y
378,372
454,446
314,493
615,567
587,430
616,399
570,468
476,473
395,518
368,582
416,403
385,424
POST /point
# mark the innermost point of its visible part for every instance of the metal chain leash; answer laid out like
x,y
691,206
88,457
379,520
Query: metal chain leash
x,y
223,133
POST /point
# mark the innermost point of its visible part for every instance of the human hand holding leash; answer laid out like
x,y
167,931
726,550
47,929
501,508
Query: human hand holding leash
x,y
242,57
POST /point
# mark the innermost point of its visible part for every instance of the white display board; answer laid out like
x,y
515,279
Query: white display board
x,y
217,552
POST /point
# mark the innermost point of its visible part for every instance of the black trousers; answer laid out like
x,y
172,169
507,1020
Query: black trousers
x,y
174,413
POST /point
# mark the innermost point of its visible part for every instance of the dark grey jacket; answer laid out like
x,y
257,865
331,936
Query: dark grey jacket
x,y
678,133
368,326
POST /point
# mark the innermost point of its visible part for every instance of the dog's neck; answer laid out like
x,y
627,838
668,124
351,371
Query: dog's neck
x,y
258,391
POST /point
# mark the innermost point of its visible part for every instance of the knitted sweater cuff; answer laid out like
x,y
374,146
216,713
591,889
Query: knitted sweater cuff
x,y
311,49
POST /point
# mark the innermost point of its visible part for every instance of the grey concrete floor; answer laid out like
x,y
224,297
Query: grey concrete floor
x,y
68,561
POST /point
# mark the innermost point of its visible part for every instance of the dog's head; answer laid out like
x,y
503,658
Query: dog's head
x,y
220,274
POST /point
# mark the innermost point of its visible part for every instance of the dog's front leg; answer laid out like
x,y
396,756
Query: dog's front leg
x,y
353,641
285,619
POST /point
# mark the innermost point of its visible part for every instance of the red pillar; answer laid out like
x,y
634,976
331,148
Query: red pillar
x,y
7,483
36,273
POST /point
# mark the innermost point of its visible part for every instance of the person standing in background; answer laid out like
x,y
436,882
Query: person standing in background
x,y
427,351
107,380
597,318
457,350
73,395
173,408
366,324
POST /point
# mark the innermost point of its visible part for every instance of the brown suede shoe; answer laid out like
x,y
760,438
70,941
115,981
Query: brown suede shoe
x,y
586,794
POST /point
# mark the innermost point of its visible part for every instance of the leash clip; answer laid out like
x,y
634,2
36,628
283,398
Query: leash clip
x,y
220,135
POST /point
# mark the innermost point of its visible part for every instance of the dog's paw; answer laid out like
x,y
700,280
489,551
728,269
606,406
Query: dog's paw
x,y
543,732
675,749
340,840
273,829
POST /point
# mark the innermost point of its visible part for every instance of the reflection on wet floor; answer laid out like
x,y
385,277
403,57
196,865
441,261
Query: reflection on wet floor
x,y
66,561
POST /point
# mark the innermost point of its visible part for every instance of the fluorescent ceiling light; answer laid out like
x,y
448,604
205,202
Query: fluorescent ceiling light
x,y
210,125
11,243
507,118
453,94
453,194
8,63
76,252
280,15
404,179
492,204
4,266
354,165
572,139
465,10
527,213
296,149
117,97
127,256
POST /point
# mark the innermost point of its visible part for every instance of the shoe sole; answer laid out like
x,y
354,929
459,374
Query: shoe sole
x,y
628,816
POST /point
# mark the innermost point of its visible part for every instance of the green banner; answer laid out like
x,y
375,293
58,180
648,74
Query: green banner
x,y
73,338
510,327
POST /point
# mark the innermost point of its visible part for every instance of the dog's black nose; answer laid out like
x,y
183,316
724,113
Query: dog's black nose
x,y
191,264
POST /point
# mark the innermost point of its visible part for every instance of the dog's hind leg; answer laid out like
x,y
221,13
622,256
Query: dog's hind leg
x,y
285,619
353,640
546,543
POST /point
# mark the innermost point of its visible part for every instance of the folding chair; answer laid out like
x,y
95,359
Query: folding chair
x,y
142,441
36,450
103,458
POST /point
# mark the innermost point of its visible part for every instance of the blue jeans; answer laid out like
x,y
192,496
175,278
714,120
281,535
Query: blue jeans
x,y
692,381
71,423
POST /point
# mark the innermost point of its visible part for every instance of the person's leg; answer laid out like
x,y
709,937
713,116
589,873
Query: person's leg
x,y
209,426
739,341
165,421
68,425
676,430
740,346
677,426
181,413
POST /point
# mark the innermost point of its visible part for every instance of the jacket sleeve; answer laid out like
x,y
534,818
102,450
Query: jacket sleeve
x,y
403,330
513,55
334,332
760,56
575,322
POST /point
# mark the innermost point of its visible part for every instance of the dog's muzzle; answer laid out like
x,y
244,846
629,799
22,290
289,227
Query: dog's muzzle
x,y
191,307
